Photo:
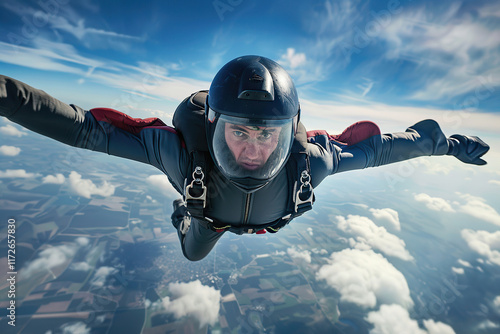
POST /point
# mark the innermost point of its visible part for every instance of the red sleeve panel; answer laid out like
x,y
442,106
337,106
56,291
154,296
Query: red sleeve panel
x,y
127,123
352,135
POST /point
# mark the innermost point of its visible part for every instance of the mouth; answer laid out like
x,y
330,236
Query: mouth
x,y
250,165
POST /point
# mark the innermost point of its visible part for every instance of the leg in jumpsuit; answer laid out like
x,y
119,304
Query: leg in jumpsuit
x,y
198,240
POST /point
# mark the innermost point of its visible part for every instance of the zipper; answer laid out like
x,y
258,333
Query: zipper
x,y
247,208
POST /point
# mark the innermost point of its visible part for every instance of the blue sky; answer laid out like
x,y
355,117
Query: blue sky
x,y
392,62
383,60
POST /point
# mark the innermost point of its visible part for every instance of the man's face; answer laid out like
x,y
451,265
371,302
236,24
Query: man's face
x,y
251,145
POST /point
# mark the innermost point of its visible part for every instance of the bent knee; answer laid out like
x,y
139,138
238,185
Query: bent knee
x,y
195,256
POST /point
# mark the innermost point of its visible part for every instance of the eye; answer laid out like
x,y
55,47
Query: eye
x,y
239,134
265,135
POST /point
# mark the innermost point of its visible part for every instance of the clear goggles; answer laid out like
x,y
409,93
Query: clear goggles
x,y
249,148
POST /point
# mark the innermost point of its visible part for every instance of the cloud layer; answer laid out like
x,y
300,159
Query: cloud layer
x,y
195,300
477,207
365,278
87,188
388,216
434,203
11,130
101,274
10,151
367,235
304,255
54,179
484,243
394,319
53,256
160,182
16,173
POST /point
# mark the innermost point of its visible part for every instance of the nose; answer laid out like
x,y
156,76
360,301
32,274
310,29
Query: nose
x,y
251,150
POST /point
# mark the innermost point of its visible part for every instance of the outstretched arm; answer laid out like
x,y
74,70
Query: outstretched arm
x,y
104,130
362,145
423,138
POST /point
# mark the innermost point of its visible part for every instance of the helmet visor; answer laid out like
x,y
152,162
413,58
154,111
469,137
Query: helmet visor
x,y
247,148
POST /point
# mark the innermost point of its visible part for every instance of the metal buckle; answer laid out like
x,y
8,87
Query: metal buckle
x,y
305,180
197,183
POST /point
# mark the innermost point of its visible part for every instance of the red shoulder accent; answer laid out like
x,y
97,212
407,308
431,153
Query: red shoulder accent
x,y
127,123
353,134
357,132
314,133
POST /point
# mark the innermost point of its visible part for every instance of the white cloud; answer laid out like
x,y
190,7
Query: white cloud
x,y
160,182
491,9
319,251
487,324
368,235
434,203
476,207
292,60
101,275
65,20
367,87
327,113
146,79
75,328
54,179
193,299
437,327
87,188
496,303
333,27
80,31
10,151
449,58
365,278
37,59
388,216
447,42
172,88
484,243
431,166
458,271
300,255
80,266
9,129
495,182
310,231
53,256
464,263
16,173
394,319
300,69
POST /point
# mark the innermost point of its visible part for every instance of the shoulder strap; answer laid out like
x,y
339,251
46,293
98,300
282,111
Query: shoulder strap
x,y
301,193
189,120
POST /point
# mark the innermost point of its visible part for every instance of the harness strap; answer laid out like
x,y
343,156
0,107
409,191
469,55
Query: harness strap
x,y
189,119
195,189
303,193
272,227
301,200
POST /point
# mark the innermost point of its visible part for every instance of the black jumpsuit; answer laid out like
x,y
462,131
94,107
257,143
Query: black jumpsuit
x,y
151,141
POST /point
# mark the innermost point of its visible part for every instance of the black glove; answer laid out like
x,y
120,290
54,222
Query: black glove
x,y
468,149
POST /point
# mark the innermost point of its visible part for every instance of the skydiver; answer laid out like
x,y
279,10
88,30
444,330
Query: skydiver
x,y
238,154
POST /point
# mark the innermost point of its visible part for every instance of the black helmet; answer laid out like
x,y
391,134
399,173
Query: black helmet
x,y
252,111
